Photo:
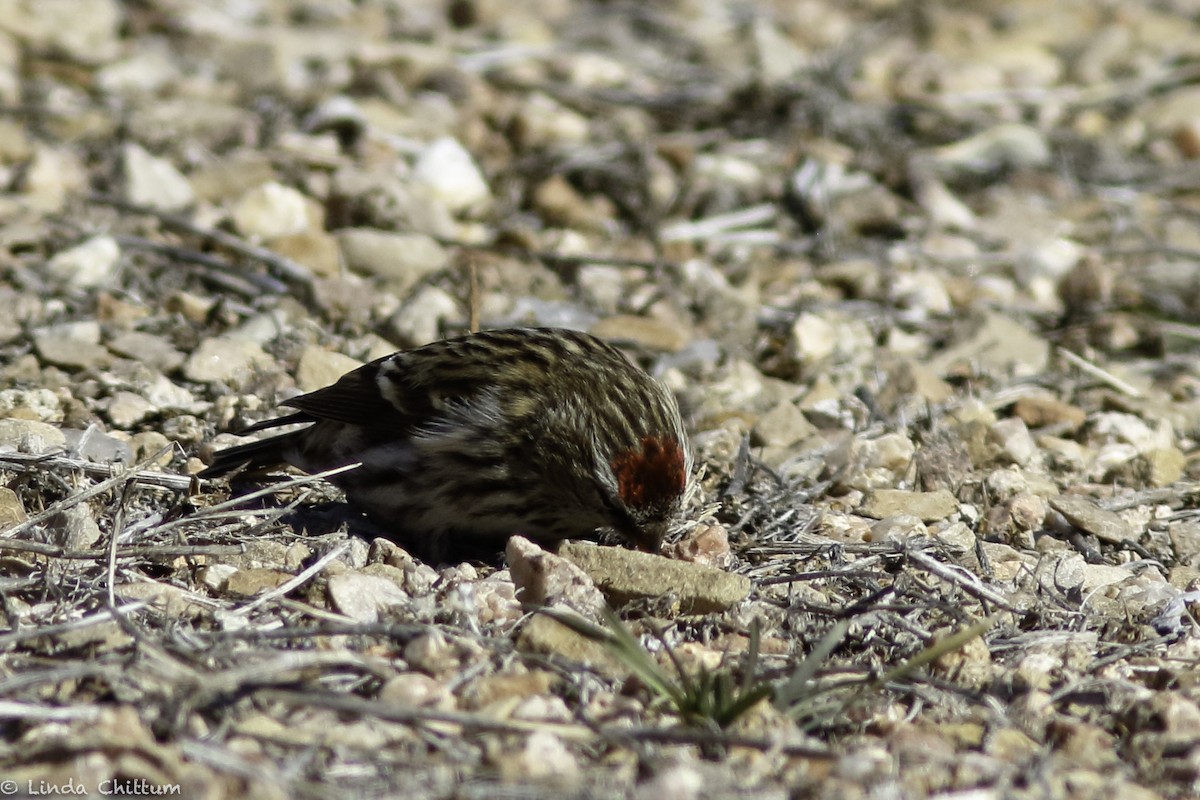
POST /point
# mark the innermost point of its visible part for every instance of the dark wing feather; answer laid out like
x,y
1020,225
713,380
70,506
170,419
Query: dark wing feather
x,y
252,456
291,419
355,399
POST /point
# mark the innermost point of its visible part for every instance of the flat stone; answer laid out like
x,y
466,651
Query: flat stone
x,y
1185,540
75,528
71,346
173,121
1087,516
625,575
149,66
543,578
1038,412
224,360
401,259
926,506
41,405
1069,571
364,598
997,345
91,263
315,249
152,350
233,176
93,445
151,443
541,634
782,426
29,436
255,580
897,529
126,409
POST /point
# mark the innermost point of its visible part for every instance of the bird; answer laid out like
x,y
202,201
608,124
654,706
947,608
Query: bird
x,y
549,433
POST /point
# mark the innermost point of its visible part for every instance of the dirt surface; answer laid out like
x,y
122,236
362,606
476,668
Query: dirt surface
x,y
923,275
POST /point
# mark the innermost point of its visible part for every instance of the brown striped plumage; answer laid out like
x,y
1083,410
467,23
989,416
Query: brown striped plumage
x,y
548,433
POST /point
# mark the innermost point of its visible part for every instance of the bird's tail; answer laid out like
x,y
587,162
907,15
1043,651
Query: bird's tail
x,y
251,456
256,455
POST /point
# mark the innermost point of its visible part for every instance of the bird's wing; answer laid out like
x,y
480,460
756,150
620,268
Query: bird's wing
x,y
355,399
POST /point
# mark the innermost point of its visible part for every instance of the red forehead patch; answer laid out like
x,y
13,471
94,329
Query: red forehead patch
x,y
654,476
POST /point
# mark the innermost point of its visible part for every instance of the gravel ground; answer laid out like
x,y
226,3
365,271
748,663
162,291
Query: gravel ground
x,y
923,275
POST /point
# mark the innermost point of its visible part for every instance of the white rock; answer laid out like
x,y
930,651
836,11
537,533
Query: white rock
x,y
215,576
814,338
945,210
542,121
262,328
920,294
891,451
402,259
602,286
420,320
678,782
50,177
166,394
543,578
41,404
1015,440
223,360
155,182
728,170
1010,144
85,32
1129,429
416,690
451,175
1110,457
364,597
93,445
271,210
127,409
86,265
145,71
1050,258
545,756
782,426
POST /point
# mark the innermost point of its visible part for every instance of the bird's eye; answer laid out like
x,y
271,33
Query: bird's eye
x,y
622,519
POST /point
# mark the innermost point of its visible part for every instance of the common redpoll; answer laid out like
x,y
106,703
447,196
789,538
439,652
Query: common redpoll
x,y
547,433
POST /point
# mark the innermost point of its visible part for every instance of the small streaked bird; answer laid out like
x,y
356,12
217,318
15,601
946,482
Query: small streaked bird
x,y
547,433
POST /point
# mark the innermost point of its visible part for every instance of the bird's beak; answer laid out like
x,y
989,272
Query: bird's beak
x,y
648,538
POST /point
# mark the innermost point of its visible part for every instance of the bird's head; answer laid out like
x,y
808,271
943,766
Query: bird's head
x,y
649,481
